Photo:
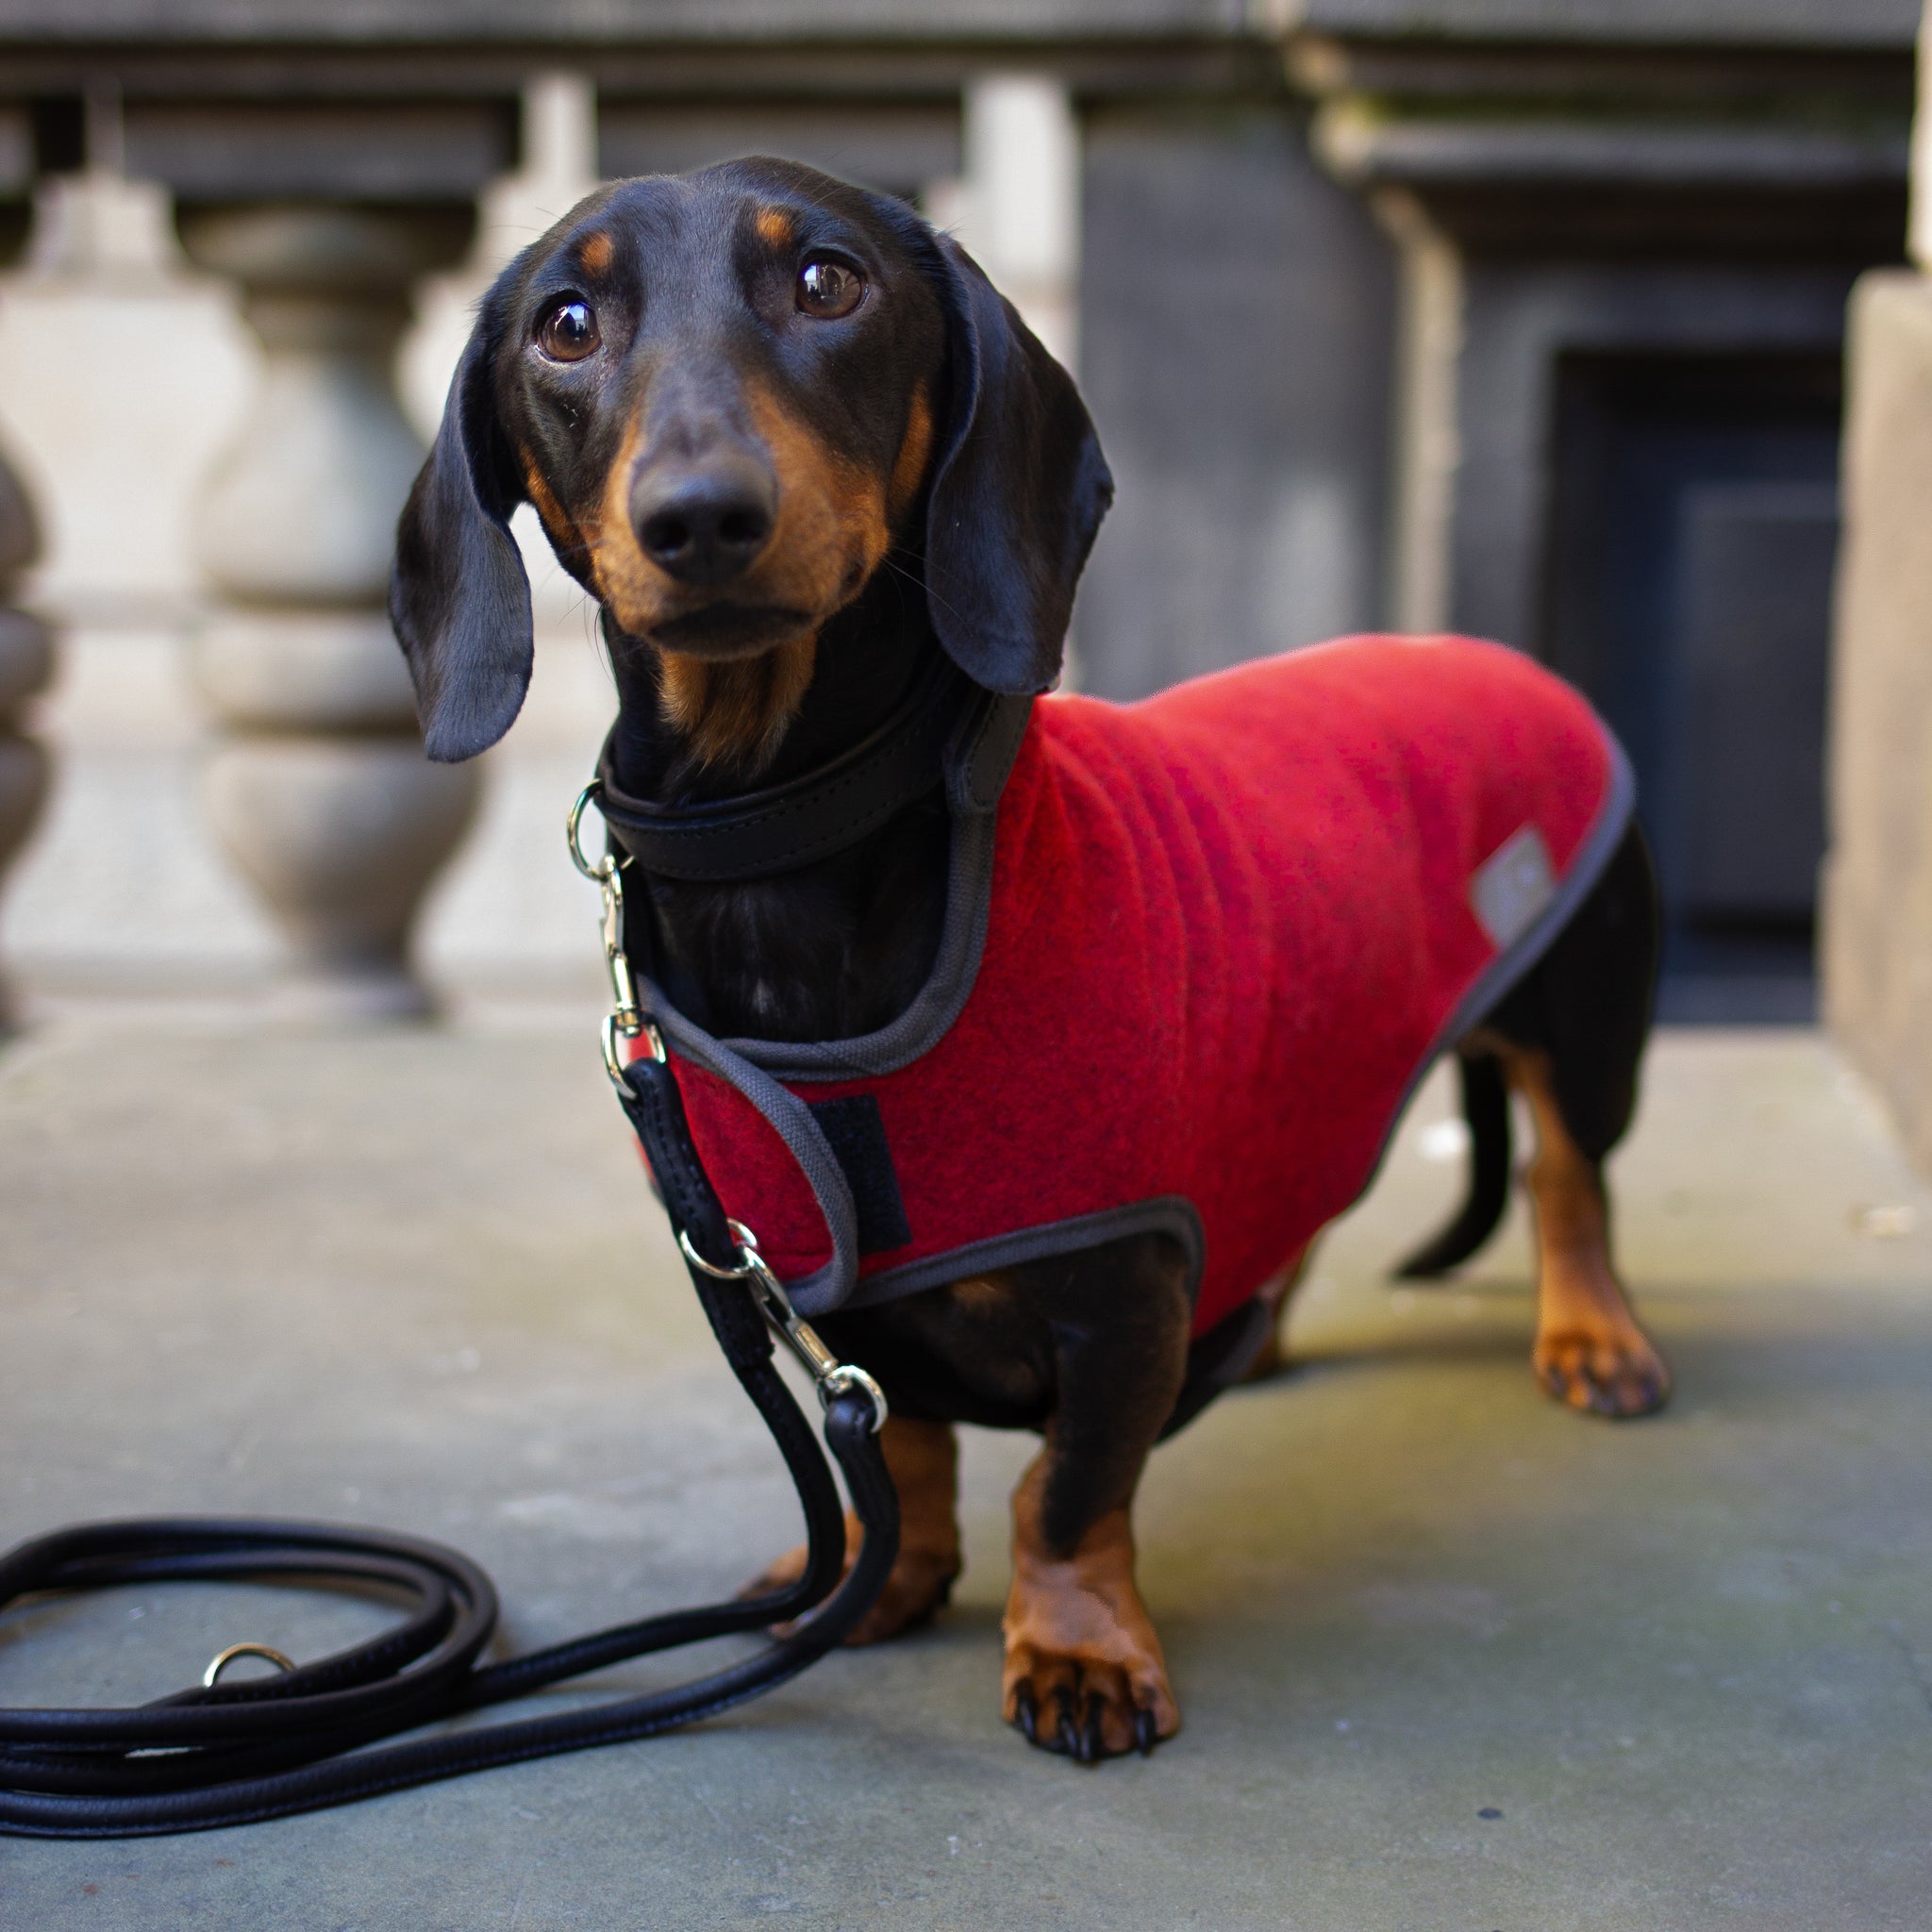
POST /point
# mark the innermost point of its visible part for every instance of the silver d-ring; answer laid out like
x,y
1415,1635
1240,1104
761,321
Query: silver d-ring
x,y
572,832
212,1675
747,1248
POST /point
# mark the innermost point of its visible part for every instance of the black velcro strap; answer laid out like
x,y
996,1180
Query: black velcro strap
x,y
856,1133
756,834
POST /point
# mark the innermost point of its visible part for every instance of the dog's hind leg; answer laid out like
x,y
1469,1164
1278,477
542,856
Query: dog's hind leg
x,y
1590,1350
1569,1037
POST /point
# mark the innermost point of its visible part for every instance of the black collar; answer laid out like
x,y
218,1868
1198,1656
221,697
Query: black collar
x,y
948,731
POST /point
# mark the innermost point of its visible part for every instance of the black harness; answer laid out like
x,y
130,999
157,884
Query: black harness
x,y
947,731
230,1754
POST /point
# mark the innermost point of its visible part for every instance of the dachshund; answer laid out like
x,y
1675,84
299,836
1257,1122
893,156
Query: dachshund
x,y
800,454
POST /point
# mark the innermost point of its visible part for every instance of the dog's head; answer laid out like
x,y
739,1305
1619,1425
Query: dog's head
x,y
731,396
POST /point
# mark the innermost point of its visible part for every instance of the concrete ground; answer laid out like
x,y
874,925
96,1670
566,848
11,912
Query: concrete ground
x,y
1449,1658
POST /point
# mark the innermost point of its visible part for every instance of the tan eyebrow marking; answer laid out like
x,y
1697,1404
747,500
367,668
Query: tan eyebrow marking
x,y
595,251
775,228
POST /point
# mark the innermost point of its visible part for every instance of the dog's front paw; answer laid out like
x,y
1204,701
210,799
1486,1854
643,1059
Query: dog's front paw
x,y
1084,1672
1618,1374
1087,1706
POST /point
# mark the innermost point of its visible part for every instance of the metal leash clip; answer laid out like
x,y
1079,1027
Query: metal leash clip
x,y
831,1377
626,1020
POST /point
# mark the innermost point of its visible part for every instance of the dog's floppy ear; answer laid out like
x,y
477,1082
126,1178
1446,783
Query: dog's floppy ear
x,y
1018,492
459,597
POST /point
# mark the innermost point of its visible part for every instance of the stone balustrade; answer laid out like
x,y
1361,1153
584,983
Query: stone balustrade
x,y
1324,280
26,664
319,788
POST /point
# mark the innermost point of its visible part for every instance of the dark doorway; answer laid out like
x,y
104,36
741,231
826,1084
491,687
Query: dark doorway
x,y
1694,527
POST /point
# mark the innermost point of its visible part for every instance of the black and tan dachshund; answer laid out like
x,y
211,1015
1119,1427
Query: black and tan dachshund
x,y
740,402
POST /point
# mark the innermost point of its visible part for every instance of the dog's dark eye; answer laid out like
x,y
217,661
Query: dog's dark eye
x,y
568,332
829,288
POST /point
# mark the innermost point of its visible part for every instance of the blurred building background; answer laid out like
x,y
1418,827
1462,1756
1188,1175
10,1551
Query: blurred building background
x,y
1523,317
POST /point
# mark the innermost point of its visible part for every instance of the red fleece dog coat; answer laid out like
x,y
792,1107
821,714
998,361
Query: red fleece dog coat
x,y
1194,965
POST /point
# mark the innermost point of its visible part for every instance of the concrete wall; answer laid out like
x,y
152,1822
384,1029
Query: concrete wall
x,y
1877,936
1875,942
1235,339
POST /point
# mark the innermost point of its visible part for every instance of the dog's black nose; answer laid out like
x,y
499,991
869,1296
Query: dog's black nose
x,y
704,524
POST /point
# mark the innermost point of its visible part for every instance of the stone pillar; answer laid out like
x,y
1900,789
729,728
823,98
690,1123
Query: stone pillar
x,y
1876,912
1428,437
27,663
557,167
318,786
1919,222
1875,952
1016,208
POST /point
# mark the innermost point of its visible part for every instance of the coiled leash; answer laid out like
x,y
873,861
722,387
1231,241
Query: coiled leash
x,y
230,1754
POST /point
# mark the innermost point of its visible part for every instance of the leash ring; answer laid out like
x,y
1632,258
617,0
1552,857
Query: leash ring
x,y
222,1659
572,832
747,1246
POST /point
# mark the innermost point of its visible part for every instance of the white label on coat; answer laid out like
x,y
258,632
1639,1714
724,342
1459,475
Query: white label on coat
x,y
1512,885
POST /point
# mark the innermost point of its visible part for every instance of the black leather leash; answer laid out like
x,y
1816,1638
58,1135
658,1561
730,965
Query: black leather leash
x,y
233,1754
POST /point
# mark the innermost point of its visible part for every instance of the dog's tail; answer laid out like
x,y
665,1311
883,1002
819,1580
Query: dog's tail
x,y
1485,1108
